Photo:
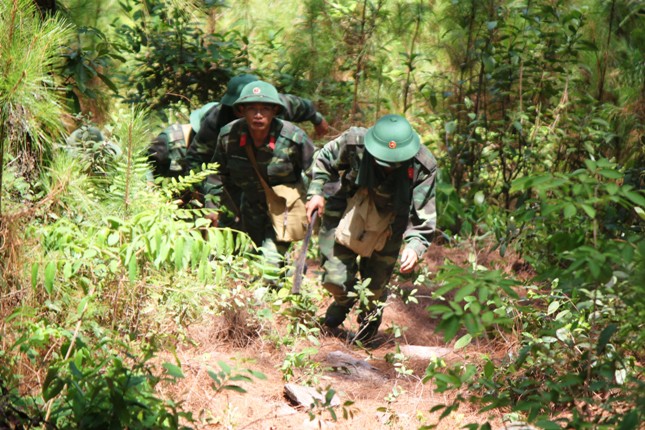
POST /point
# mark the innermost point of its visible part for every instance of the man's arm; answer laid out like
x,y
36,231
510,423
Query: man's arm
x,y
423,213
202,147
325,166
299,109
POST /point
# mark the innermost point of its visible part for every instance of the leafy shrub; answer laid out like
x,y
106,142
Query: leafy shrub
x,y
569,225
475,299
580,352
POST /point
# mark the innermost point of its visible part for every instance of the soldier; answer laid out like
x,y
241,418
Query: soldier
x,y
282,151
295,109
167,154
386,193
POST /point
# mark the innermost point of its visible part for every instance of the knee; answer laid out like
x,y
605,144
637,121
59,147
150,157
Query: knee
x,y
336,290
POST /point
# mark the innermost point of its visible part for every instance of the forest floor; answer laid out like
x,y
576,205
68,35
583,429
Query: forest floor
x,y
383,398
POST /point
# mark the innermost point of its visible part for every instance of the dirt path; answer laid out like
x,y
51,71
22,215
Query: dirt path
x,y
383,397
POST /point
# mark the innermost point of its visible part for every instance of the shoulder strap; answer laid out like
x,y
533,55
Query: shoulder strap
x,y
425,158
249,153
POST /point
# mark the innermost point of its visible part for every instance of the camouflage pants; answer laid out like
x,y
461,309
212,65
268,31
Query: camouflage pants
x,y
342,266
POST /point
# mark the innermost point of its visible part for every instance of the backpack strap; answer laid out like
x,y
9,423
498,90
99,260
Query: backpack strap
x,y
424,158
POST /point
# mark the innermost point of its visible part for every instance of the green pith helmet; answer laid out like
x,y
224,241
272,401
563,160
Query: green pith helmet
x,y
234,88
259,92
197,115
392,140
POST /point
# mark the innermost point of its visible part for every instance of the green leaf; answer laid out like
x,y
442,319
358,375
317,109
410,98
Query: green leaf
x,y
50,275
563,334
448,380
243,378
635,197
52,385
214,376
114,222
591,212
591,165
436,310
489,369
225,367
258,375
630,421
553,306
463,341
463,292
179,253
569,210
67,270
488,317
113,238
548,425
474,307
173,370
34,275
449,326
610,174
640,212
450,127
108,82
132,269
472,325
480,198
235,388
562,314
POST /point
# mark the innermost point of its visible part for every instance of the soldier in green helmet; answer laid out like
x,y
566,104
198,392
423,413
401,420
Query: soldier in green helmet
x,y
282,152
294,109
385,172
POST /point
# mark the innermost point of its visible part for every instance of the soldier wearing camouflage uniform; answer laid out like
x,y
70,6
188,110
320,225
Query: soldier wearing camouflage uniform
x,y
389,161
167,153
282,152
295,109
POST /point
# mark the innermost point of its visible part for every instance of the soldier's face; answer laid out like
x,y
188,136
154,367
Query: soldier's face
x,y
259,115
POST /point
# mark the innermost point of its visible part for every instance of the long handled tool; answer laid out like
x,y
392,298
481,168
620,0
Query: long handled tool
x,y
302,257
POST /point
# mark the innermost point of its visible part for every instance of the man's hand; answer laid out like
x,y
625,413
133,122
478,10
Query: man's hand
x,y
322,128
409,259
213,217
316,203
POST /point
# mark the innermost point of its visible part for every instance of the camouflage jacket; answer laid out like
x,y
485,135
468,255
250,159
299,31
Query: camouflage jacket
x,y
202,146
284,157
168,151
339,161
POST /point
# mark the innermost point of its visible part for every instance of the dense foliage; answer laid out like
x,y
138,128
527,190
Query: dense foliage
x,y
535,110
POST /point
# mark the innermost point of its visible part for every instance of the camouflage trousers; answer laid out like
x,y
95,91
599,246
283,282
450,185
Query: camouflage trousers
x,y
342,267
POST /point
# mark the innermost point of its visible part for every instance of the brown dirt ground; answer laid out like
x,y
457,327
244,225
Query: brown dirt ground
x,y
265,406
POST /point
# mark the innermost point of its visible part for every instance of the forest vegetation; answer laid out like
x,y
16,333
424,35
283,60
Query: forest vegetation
x,y
534,109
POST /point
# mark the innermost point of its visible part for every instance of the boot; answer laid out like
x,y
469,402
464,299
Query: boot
x,y
335,315
368,324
